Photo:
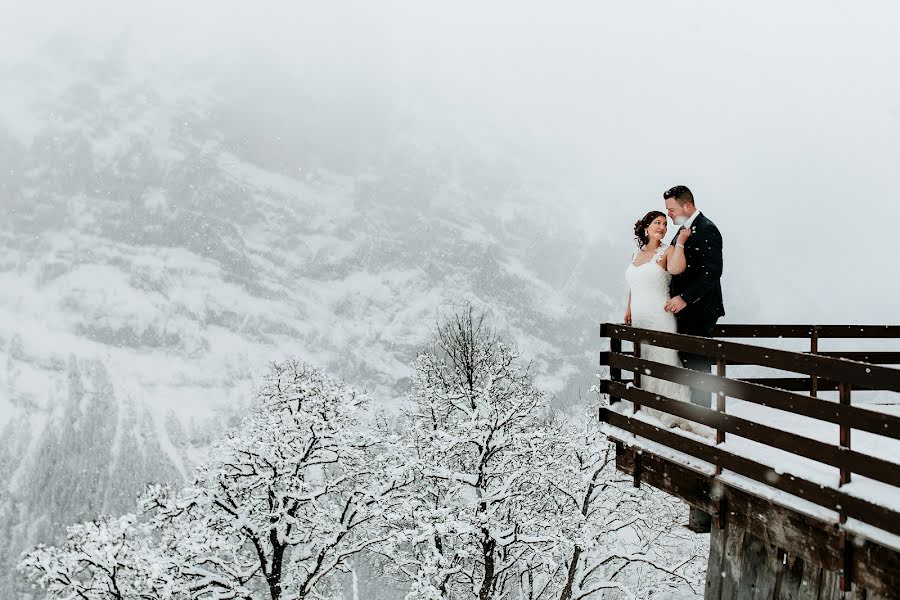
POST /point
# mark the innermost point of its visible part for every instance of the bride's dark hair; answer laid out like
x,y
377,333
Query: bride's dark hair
x,y
640,233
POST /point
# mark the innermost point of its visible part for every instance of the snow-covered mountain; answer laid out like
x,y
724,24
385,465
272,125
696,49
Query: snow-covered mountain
x,y
161,243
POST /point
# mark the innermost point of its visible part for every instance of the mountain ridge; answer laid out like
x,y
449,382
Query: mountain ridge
x,y
152,270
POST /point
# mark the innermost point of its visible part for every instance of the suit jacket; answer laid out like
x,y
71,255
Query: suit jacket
x,y
700,284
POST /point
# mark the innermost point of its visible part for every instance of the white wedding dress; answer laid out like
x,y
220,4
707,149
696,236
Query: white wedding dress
x,y
649,285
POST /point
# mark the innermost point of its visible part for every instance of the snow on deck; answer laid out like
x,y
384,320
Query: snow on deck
x,y
785,462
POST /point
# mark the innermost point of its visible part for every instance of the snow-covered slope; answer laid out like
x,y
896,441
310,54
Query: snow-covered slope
x,y
160,244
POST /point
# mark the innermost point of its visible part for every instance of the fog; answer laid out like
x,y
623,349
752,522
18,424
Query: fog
x,y
191,189
783,119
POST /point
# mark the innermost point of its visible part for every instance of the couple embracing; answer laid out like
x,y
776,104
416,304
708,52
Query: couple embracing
x,y
676,288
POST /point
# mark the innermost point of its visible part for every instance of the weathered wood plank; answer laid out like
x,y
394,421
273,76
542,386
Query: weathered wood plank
x,y
800,580
805,331
859,331
829,454
857,373
689,485
758,572
731,569
744,567
730,330
876,358
830,498
815,408
872,562
875,567
715,566
794,384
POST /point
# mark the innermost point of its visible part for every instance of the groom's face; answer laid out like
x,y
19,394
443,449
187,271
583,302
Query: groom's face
x,y
676,211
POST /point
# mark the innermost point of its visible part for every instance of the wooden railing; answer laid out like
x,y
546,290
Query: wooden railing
x,y
815,371
814,333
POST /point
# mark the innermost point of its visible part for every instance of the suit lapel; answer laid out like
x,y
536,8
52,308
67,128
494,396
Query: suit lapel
x,y
698,223
696,229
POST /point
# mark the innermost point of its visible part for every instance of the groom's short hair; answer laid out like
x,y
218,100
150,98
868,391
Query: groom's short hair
x,y
680,193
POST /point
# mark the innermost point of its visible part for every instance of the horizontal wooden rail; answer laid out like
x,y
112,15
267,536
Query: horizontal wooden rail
x,y
875,358
795,384
807,331
829,454
815,408
854,373
827,497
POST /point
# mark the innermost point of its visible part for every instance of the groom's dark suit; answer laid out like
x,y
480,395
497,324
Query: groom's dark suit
x,y
699,285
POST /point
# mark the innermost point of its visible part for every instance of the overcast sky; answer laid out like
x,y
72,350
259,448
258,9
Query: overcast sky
x,y
783,117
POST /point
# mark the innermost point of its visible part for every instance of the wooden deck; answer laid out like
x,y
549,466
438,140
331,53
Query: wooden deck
x,y
829,502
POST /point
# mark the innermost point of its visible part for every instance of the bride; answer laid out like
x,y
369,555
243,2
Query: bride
x,y
648,277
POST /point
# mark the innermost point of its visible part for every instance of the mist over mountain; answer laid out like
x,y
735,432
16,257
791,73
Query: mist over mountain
x,y
163,241
189,192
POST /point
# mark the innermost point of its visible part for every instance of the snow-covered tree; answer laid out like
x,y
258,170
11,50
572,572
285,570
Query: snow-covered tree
x,y
481,516
108,558
618,537
204,562
295,491
284,502
515,502
481,493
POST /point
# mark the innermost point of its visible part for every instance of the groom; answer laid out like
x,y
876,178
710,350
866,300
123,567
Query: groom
x,y
696,294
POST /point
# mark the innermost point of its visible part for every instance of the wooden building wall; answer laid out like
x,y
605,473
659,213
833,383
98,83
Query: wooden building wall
x,y
743,567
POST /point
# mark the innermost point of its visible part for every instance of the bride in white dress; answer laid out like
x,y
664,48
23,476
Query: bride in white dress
x,y
648,276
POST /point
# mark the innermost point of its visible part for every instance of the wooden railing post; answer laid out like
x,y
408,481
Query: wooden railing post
x,y
615,346
615,373
635,453
844,395
637,377
845,475
720,402
813,349
720,437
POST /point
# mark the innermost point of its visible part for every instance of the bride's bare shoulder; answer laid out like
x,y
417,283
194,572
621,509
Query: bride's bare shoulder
x,y
662,255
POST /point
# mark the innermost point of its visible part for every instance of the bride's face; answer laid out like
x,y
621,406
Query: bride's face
x,y
657,229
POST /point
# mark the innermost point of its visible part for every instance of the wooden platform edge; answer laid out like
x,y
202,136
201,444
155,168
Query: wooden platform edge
x,y
873,566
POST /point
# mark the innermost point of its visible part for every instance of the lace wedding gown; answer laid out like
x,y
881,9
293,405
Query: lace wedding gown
x,y
649,285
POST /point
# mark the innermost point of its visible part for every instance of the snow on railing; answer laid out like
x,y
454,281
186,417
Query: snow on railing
x,y
764,429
